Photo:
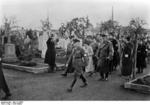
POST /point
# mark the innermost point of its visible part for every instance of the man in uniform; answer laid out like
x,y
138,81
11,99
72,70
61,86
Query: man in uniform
x,y
3,84
104,54
78,63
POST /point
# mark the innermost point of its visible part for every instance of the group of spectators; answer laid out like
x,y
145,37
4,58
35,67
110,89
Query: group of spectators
x,y
104,54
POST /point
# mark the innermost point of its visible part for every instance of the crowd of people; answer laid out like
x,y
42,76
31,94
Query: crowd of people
x,y
102,54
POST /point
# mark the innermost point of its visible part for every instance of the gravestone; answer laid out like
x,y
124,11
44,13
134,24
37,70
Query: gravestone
x,y
9,53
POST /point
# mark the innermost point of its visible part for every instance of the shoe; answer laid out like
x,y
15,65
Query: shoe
x,y
65,75
106,79
85,84
6,97
101,79
69,90
51,72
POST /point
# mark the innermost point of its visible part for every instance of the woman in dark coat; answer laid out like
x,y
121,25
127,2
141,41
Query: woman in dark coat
x,y
141,55
50,54
127,59
116,58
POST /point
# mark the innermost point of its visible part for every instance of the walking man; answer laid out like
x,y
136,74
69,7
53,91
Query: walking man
x,y
104,54
78,63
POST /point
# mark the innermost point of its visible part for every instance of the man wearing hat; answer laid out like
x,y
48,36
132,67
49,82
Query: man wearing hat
x,y
78,63
104,55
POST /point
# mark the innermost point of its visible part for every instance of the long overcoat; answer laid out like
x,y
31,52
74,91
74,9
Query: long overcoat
x,y
141,56
127,59
105,54
50,53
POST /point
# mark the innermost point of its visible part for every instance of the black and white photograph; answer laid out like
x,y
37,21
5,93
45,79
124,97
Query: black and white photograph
x,y
74,50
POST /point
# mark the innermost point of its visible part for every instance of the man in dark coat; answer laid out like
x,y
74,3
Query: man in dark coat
x,y
104,54
50,55
141,57
3,84
127,58
116,59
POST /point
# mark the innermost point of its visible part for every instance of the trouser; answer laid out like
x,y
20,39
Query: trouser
x,y
140,70
110,66
95,63
51,68
75,79
104,75
4,86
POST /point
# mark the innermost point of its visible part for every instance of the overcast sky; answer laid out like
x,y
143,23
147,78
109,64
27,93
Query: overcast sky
x,y
29,12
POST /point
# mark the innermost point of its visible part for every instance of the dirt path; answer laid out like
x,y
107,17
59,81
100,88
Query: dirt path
x,y
26,86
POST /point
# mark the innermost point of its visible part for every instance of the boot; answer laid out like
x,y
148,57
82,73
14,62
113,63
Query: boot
x,y
84,85
106,79
64,74
101,79
69,90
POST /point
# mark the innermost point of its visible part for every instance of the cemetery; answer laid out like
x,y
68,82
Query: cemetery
x,y
32,50
24,51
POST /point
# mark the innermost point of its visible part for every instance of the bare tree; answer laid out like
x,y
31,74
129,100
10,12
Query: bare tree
x,y
46,25
136,31
77,26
